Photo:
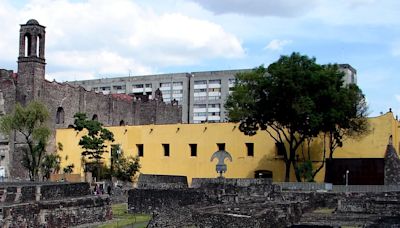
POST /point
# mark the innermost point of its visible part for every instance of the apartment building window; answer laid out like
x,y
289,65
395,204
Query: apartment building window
x,y
221,146
200,90
118,87
105,88
212,98
200,114
148,85
165,85
199,106
177,84
166,149
200,98
214,82
137,86
214,89
202,82
140,150
250,149
193,150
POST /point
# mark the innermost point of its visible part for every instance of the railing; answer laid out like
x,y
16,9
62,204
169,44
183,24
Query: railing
x,y
307,186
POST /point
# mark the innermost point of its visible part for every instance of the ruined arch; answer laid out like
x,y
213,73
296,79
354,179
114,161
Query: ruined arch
x,y
60,115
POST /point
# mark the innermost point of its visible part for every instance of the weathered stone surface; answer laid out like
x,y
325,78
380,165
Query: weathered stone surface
x,y
152,181
51,205
392,166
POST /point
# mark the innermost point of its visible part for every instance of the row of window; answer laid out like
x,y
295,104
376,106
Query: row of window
x,y
204,82
193,149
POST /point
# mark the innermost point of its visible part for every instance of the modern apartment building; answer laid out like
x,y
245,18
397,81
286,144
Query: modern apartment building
x,y
202,95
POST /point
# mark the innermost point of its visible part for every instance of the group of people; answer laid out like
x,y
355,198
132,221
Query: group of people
x,y
98,189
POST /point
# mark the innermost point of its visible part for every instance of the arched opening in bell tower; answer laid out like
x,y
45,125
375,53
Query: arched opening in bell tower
x,y
27,44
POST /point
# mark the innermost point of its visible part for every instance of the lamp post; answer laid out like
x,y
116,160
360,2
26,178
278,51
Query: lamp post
x,y
347,179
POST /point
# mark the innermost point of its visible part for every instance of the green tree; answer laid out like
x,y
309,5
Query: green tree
x,y
123,168
93,142
291,101
50,165
30,123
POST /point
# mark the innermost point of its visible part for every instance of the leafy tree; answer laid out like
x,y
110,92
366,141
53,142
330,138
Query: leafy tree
x,y
50,165
30,123
292,101
123,168
92,143
69,169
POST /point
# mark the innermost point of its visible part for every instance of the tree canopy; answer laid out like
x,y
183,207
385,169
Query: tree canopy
x,y
294,99
31,123
92,143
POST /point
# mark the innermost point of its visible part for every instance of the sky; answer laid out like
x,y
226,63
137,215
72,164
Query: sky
x,y
89,39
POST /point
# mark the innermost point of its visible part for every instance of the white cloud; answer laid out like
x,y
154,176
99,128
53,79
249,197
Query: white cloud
x,y
96,36
277,45
281,8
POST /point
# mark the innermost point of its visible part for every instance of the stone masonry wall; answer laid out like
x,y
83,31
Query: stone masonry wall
x,y
60,213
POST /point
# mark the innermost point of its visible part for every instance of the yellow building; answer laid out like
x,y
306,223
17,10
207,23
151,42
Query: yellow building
x,y
186,149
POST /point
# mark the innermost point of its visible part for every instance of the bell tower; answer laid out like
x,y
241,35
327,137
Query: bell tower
x,y
31,61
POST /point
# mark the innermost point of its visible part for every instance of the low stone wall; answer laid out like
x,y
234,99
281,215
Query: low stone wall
x,y
51,205
151,181
385,204
156,200
26,192
57,213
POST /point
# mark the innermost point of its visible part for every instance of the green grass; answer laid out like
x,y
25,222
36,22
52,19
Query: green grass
x,y
122,218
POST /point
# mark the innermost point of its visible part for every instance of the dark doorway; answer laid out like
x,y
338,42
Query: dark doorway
x,y
362,171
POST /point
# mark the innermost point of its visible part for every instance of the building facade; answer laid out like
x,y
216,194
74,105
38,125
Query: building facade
x,y
64,100
186,149
202,95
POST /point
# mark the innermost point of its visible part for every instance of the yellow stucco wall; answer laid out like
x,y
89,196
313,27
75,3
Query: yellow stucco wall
x,y
206,136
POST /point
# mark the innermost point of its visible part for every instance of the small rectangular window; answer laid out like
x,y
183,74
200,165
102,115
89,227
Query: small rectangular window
x,y
140,150
193,150
250,149
166,149
221,146
280,149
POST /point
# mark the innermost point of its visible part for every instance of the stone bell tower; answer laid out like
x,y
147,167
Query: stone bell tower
x,y
31,61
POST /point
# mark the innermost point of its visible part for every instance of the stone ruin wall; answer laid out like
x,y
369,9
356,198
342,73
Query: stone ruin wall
x,y
256,203
51,205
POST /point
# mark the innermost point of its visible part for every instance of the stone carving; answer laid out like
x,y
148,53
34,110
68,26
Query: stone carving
x,y
221,155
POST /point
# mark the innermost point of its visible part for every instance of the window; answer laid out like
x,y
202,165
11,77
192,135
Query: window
x,y
60,115
200,90
177,84
166,149
280,149
221,146
137,86
165,84
140,150
148,85
250,149
214,82
199,106
106,88
193,150
202,82
122,123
